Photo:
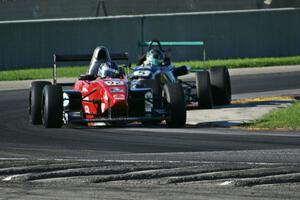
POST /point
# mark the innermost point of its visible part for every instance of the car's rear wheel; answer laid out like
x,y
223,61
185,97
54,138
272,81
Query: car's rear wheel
x,y
175,105
203,88
221,86
35,101
52,108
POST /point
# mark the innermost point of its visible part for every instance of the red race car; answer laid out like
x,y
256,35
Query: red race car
x,y
104,95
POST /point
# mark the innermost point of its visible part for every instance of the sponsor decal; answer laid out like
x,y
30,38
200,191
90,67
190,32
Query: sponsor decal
x,y
84,89
86,98
119,97
148,102
114,82
102,107
116,89
142,73
66,100
105,97
86,109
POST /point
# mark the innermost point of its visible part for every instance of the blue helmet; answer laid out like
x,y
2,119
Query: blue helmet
x,y
154,57
108,69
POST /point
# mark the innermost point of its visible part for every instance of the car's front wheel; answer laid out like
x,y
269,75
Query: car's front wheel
x,y
35,101
175,105
52,106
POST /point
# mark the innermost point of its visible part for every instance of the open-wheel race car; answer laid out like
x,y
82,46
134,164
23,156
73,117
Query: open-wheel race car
x,y
104,94
210,87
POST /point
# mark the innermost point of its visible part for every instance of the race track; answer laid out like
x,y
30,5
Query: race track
x,y
19,138
135,143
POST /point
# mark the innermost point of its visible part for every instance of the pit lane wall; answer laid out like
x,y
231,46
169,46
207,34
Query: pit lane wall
x,y
227,34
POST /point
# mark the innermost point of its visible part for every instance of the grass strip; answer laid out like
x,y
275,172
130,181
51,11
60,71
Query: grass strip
x,y
74,71
41,73
285,118
244,62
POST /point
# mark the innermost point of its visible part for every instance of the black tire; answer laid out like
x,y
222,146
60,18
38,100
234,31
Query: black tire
x,y
203,88
175,104
52,107
180,71
35,101
221,86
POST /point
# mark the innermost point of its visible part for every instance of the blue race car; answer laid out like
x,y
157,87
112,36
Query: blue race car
x,y
155,70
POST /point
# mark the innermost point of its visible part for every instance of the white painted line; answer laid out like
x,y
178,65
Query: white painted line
x,y
9,178
226,183
152,161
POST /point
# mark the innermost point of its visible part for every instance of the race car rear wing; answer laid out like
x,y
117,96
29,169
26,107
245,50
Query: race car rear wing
x,y
80,58
175,43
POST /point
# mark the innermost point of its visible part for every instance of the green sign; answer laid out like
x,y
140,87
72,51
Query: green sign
x,y
181,43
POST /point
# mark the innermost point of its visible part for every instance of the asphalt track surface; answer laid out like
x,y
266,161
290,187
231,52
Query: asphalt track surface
x,y
265,82
135,143
19,138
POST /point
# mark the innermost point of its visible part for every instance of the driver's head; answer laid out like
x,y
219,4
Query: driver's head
x,y
108,69
154,57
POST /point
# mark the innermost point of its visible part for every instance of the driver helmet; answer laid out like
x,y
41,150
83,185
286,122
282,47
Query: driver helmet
x,y
108,69
154,57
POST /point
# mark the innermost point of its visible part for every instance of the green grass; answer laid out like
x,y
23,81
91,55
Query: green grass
x,y
43,73
288,118
31,74
244,62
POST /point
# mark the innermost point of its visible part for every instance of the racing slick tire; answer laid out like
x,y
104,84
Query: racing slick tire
x,y
203,88
221,86
175,105
52,106
35,101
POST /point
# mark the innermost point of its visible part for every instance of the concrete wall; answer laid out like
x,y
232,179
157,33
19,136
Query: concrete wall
x,y
226,34
231,34
32,44
131,7
285,3
46,9
49,9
